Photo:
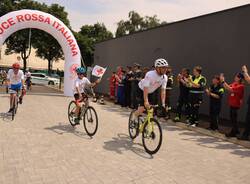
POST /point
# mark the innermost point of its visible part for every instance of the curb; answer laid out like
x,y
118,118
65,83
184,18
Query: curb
x,y
214,134
54,88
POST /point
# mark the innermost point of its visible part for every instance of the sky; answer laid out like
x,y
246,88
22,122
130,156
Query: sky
x,y
109,12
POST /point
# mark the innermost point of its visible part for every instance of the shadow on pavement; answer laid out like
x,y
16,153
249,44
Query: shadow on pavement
x,y
63,128
116,108
123,143
6,116
215,143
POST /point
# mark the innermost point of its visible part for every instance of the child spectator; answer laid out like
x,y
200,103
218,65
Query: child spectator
x,y
215,92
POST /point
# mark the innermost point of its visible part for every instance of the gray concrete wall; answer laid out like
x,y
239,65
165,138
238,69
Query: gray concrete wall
x,y
219,42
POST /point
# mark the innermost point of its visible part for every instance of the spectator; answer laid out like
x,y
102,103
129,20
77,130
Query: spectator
x,y
235,100
136,77
245,135
144,71
128,79
118,74
182,79
196,84
169,87
215,92
112,84
121,88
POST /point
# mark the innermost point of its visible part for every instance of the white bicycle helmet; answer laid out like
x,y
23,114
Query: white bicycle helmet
x,y
161,63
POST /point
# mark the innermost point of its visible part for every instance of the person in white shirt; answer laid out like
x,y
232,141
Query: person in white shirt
x,y
151,82
15,81
80,85
28,80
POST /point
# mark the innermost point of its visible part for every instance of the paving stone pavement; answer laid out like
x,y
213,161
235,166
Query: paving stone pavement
x,y
41,147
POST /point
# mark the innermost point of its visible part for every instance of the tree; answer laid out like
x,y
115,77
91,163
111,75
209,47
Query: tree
x,y
136,23
88,36
48,48
46,45
6,6
19,41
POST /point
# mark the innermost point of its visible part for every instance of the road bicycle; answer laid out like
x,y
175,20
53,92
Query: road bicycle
x,y
150,129
88,116
15,102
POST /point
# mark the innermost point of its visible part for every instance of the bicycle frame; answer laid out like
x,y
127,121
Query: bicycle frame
x,y
15,98
150,115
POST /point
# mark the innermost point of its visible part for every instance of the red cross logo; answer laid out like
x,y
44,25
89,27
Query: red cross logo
x,y
99,71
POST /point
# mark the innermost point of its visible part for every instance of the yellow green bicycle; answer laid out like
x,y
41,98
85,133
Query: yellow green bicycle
x,y
150,129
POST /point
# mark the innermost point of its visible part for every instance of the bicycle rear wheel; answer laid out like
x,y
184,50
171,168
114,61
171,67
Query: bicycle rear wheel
x,y
90,121
152,136
133,126
71,112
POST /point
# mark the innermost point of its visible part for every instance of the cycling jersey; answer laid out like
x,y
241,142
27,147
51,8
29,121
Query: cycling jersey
x,y
15,78
153,81
81,84
28,75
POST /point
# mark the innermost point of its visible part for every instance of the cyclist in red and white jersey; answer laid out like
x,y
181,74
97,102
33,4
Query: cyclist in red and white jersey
x,y
15,81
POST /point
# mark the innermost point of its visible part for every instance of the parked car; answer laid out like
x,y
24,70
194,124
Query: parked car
x,y
41,78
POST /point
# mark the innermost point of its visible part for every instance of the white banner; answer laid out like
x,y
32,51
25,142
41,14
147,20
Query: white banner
x,y
98,71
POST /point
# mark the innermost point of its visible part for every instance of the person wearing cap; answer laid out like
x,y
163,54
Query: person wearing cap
x,y
245,135
147,86
215,93
235,100
136,76
196,86
15,82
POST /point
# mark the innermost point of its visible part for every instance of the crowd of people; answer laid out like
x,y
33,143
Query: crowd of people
x,y
124,89
123,84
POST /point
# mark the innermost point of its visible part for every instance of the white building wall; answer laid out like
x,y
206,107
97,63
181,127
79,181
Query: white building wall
x,y
33,61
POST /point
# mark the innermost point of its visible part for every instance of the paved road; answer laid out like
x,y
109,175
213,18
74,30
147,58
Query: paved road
x,y
40,147
37,89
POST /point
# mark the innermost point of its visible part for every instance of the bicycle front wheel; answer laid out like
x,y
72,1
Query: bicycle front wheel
x,y
14,109
71,113
90,121
133,126
152,136
13,112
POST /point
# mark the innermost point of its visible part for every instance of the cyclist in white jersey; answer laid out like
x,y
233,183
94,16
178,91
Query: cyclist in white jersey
x,y
15,81
151,82
80,85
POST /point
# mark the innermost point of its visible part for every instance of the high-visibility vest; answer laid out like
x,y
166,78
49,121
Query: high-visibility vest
x,y
197,81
